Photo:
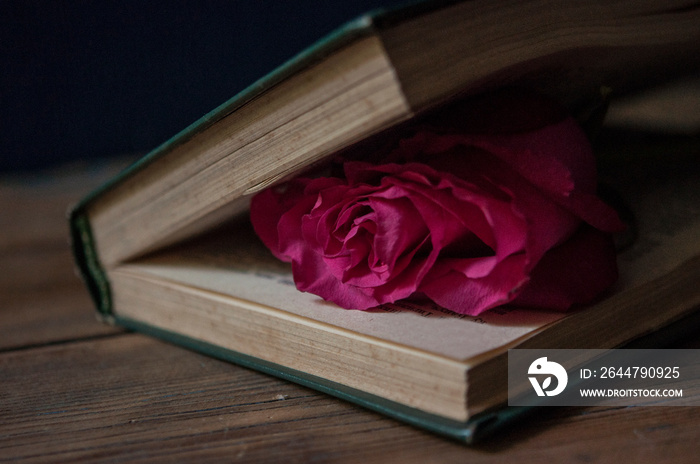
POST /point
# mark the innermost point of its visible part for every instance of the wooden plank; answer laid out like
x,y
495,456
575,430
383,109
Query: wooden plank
x,y
131,398
29,269
41,299
33,206
48,315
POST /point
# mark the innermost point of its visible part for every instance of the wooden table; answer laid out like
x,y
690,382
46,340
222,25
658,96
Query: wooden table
x,y
75,390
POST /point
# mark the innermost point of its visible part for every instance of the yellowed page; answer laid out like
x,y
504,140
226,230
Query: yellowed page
x,y
238,265
666,208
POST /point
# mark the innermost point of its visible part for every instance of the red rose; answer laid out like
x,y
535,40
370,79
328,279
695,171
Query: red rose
x,y
506,213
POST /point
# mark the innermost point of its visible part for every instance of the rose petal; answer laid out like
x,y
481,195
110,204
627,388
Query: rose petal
x,y
268,207
311,275
457,292
471,219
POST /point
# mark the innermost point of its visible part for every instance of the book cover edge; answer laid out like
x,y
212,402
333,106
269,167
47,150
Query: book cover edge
x,y
469,432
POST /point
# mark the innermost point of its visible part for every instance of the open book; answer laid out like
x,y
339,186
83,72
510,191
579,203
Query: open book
x,y
166,247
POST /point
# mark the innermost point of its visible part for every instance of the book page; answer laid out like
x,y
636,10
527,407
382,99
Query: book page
x,y
236,263
664,200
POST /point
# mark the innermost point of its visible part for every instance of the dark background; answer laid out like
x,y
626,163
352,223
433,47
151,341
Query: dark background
x,y
87,79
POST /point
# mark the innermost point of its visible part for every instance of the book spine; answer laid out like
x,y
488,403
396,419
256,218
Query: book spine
x,y
87,260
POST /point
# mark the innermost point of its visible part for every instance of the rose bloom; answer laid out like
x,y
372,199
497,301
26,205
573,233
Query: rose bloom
x,y
490,202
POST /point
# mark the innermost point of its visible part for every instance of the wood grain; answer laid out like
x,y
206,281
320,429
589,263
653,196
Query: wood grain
x,y
41,298
73,390
131,398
